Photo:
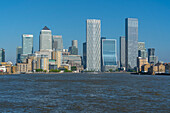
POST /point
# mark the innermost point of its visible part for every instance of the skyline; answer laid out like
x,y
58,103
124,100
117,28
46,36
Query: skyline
x,y
153,22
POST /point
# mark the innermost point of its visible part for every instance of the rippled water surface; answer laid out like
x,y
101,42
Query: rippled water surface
x,y
84,93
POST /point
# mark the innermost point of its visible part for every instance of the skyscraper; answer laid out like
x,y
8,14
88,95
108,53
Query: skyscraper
x,y
109,54
122,51
93,45
74,48
131,31
27,44
151,56
151,52
142,50
18,54
75,43
45,39
57,43
84,55
2,55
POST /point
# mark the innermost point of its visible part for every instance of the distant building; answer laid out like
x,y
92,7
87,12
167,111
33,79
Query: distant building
x,y
18,54
72,60
45,52
75,43
93,45
122,51
84,55
74,48
109,54
2,55
151,56
43,62
27,44
57,43
140,62
45,39
151,52
157,68
142,50
131,39
57,56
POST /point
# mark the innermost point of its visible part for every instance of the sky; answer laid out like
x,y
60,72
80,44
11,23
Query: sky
x,y
68,18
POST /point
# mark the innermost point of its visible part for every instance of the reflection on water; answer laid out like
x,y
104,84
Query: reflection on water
x,y
84,93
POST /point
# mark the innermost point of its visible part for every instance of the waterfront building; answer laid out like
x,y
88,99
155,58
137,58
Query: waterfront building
x,y
43,62
27,44
93,45
157,68
140,62
145,68
57,43
73,60
57,56
2,69
84,55
122,52
7,65
131,39
109,54
18,54
22,67
2,55
167,68
45,39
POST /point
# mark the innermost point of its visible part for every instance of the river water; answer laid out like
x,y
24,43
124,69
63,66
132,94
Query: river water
x,y
84,93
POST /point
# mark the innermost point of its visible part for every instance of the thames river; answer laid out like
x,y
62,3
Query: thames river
x,y
84,93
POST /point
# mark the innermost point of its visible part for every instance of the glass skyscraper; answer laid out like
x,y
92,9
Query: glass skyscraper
x,y
2,55
57,43
142,50
131,32
27,44
18,54
109,54
93,45
45,39
122,51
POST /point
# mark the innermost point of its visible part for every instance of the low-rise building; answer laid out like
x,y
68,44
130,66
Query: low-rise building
x,y
22,67
140,62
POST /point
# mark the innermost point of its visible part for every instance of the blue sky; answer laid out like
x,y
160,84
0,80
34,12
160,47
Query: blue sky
x,y
68,17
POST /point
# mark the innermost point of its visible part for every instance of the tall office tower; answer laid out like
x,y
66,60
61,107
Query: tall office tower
x,y
101,51
122,51
93,45
142,50
109,54
74,48
2,55
84,55
151,56
57,43
131,39
45,39
27,44
151,52
18,54
75,43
